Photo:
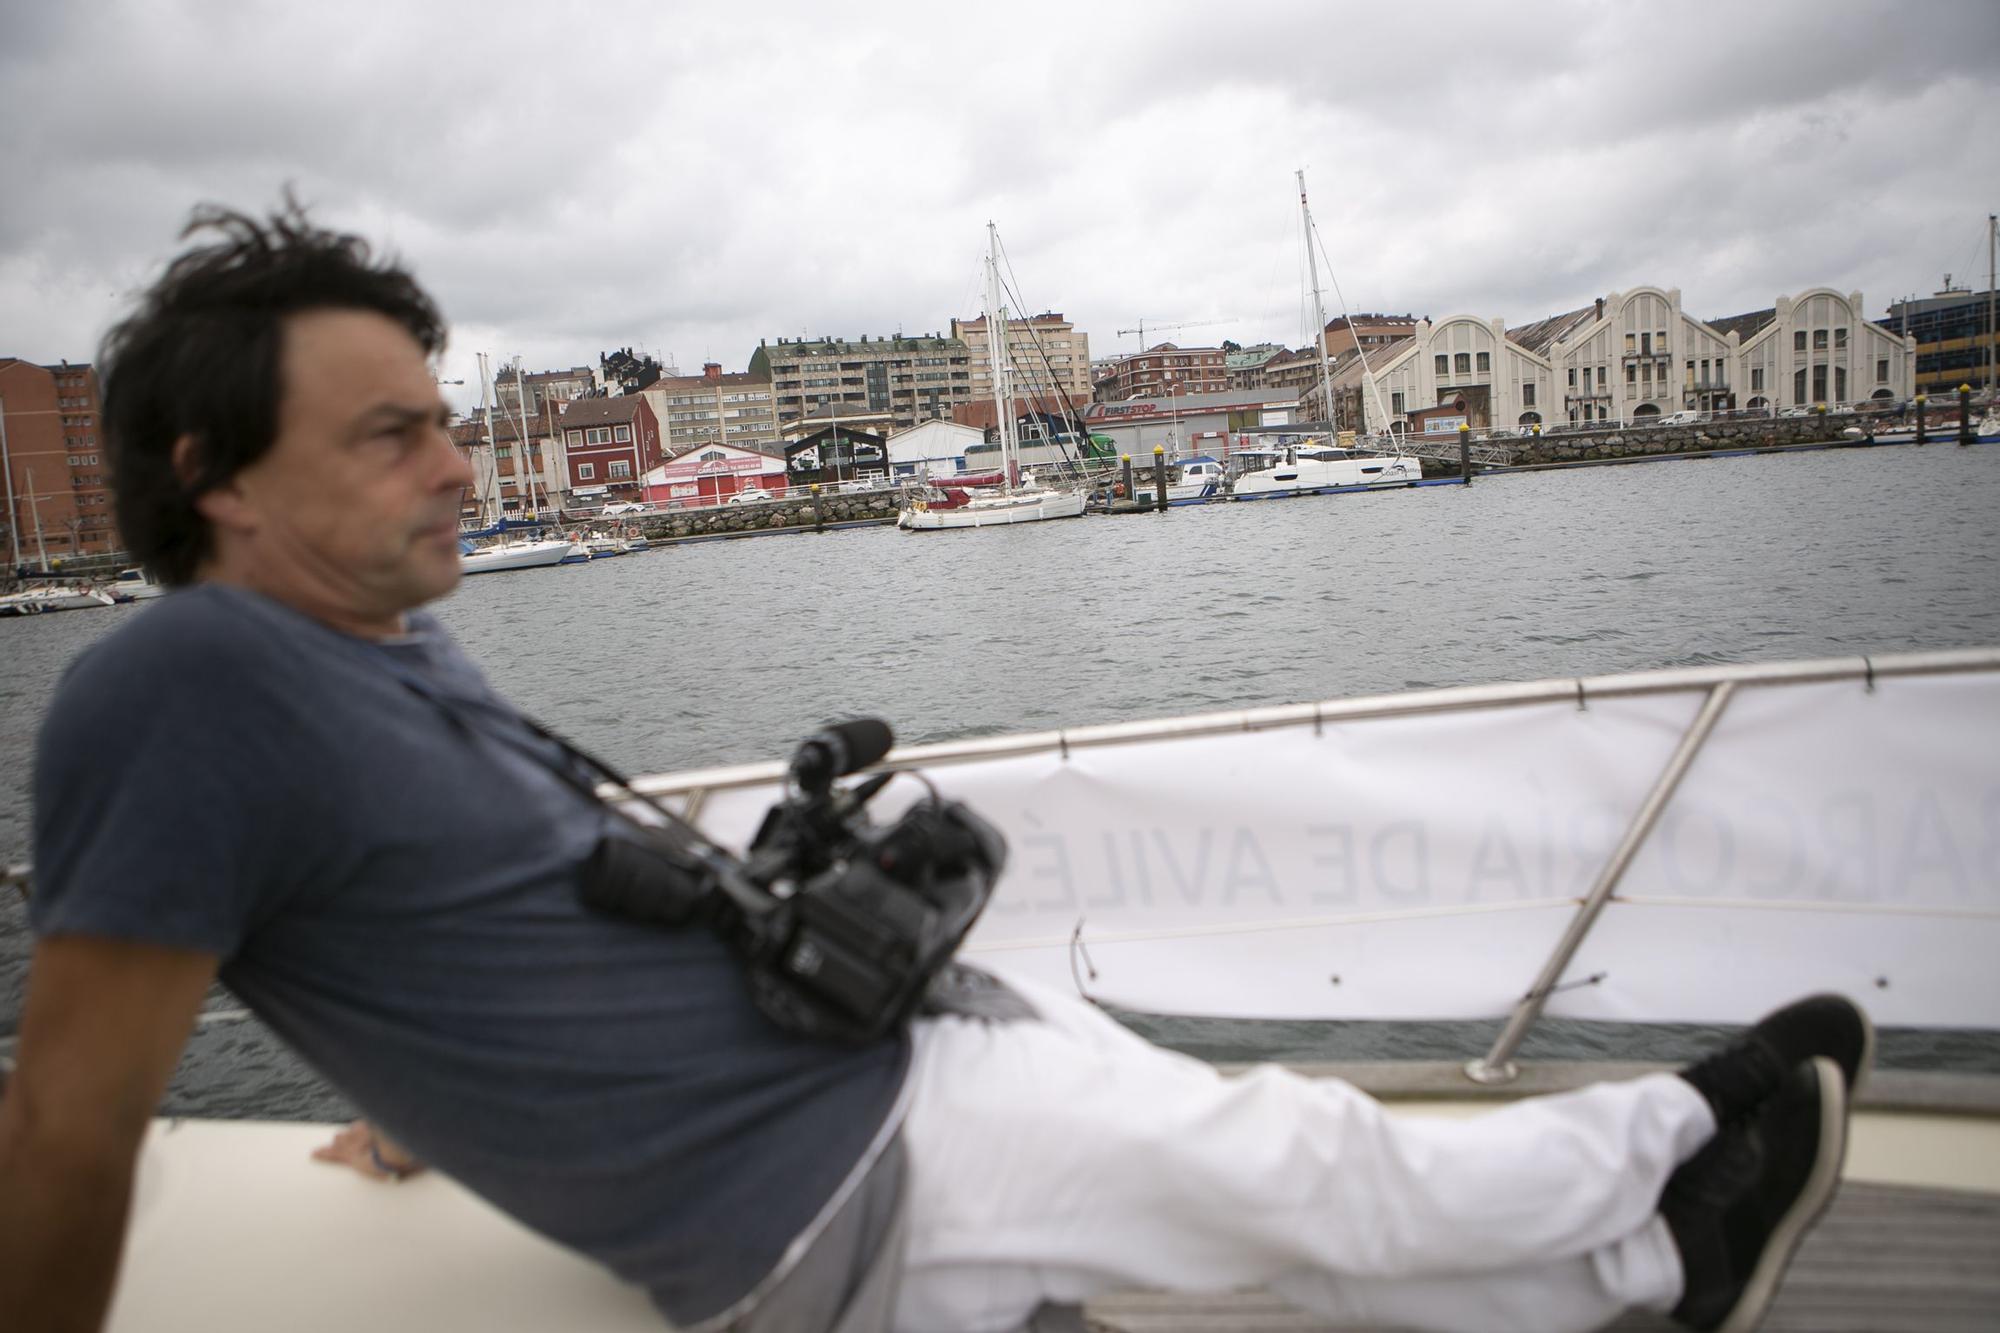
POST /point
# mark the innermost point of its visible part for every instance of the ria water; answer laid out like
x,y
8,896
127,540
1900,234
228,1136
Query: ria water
x,y
732,651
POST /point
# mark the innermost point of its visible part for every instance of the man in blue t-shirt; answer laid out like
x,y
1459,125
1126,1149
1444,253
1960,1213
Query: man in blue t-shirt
x,y
286,775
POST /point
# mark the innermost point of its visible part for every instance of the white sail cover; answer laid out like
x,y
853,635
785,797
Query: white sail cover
x,y
1831,834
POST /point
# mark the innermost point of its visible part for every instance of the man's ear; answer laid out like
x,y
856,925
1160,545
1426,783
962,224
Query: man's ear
x,y
221,504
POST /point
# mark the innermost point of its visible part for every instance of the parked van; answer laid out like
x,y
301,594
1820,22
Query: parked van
x,y
1680,419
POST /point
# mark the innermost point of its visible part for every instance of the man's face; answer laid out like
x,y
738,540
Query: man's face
x,y
352,516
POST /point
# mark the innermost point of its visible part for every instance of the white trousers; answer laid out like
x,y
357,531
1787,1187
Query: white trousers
x,y
1061,1159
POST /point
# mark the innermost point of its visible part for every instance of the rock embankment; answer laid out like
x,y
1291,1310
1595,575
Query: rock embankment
x,y
803,512
1636,442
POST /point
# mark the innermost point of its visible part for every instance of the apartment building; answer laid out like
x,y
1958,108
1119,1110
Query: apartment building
x,y
713,408
1365,332
1244,367
1049,355
542,387
522,472
876,383
1163,369
56,471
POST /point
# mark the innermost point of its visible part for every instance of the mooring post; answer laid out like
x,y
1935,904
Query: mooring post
x,y
1965,414
819,516
1125,467
1465,452
1923,421
1160,477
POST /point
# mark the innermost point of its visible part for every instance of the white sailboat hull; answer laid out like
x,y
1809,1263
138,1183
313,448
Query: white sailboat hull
x,y
515,555
998,511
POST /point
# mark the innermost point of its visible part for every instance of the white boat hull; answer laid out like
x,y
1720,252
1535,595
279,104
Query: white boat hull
x,y
994,512
1313,474
34,601
515,555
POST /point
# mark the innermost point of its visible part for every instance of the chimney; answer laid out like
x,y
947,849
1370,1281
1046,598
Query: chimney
x,y
712,372
1600,307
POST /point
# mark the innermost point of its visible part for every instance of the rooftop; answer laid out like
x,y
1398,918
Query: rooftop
x,y
597,411
1745,327
784,350
1543,334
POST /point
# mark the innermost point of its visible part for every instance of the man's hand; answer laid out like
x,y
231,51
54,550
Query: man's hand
x,y
369,1151
103,1026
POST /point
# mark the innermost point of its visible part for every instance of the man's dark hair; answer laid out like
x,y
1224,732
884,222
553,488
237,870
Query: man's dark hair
x,y
202,357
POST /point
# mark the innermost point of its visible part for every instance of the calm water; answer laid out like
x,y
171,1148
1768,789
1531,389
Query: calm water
x,y
732,650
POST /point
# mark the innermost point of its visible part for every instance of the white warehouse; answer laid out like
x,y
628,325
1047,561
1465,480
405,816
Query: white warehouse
x,y
1633,355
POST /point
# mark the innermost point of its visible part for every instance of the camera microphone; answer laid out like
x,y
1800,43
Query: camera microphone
x,y
839,749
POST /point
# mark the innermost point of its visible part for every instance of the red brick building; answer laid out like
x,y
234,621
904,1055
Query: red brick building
x,y
611,443
1164,369
56,475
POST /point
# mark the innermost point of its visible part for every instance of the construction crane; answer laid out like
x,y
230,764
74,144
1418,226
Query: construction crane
x,y
1184,324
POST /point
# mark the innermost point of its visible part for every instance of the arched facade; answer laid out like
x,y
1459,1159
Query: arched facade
x,y
1819,348
1637,353
1467,357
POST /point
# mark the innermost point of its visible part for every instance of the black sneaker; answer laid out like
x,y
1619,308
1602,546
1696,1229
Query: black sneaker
x,y
1733,1257
1737,1079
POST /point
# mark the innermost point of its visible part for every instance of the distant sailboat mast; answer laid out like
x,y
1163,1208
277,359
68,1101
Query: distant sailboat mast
x,y
996,355
1319,311
490,511
1374,390
527,463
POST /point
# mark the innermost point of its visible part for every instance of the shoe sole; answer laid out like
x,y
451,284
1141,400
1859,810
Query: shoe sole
x,y
1807,1209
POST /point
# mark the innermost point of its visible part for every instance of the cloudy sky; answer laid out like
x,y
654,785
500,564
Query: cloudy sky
x,y
688,179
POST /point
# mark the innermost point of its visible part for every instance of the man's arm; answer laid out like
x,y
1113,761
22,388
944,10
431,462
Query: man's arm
x,y
103,1026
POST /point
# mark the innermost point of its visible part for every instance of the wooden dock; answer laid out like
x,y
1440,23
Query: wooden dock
x,y
1885,1259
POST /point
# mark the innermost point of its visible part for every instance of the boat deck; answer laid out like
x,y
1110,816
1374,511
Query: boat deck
x,y
1886,1257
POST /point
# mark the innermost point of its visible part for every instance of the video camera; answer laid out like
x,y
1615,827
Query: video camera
x,y
840,922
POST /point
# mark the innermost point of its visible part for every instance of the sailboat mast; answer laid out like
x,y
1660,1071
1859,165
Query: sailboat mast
x,y
1992,329
1319,310
996,354
488,517
527,451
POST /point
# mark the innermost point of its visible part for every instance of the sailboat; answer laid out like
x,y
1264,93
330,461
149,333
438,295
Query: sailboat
x,y
508,552
1018,499
1301,469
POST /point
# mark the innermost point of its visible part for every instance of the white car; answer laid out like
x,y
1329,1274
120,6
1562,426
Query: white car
x,y
750,496
1680,419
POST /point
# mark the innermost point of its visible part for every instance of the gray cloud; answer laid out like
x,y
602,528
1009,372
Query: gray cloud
x,y
571,178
